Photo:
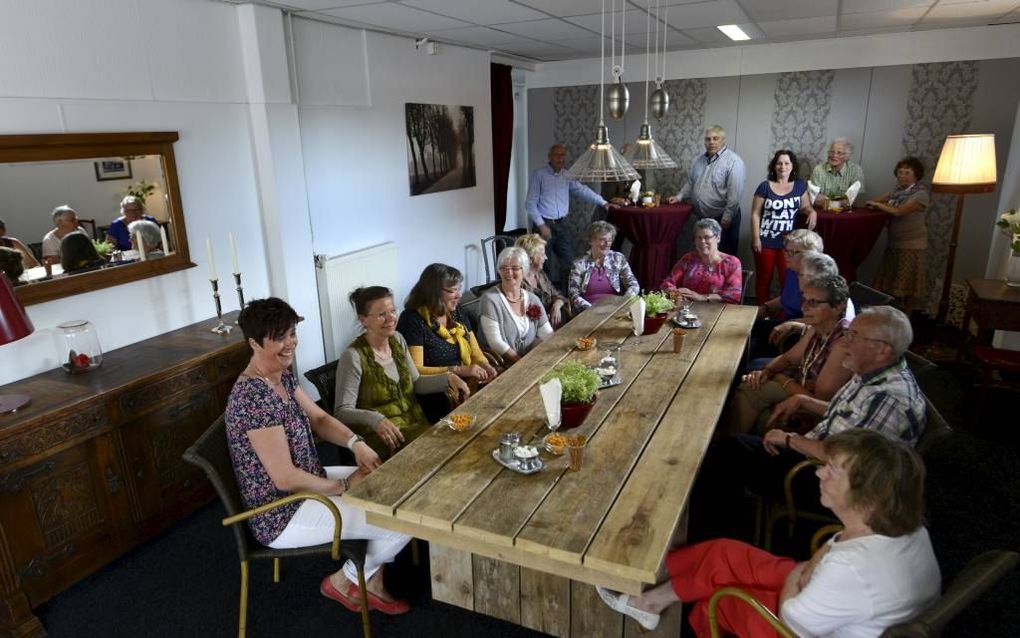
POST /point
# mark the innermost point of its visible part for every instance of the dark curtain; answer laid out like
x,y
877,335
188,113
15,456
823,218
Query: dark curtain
x,y
502,88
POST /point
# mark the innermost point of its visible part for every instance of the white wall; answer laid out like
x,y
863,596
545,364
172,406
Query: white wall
x,y
353,86
325,175
164,66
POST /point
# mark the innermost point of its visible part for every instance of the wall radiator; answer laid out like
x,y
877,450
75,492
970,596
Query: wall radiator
x,y
337,276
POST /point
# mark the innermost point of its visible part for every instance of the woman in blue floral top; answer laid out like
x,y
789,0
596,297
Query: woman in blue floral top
x,y
601,272
270,425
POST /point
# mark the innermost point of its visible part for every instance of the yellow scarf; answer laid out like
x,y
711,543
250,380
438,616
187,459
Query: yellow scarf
x,y
458,335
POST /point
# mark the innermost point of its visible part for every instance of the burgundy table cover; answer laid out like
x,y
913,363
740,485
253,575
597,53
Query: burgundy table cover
x,y
850,236
653,232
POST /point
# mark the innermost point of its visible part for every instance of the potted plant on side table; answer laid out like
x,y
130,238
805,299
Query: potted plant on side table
x,y
580,385
657,304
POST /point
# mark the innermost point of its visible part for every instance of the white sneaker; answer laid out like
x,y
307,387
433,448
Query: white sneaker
x,y
618,602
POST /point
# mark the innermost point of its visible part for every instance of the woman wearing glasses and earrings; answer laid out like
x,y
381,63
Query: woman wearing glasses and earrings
x,y
376,379
813,367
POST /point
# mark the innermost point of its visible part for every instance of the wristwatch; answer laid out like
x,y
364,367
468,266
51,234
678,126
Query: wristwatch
x,y
351,441
345,483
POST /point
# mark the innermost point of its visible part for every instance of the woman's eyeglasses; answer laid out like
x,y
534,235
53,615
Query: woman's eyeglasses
x,y
791,252
513,269
383,316
808,302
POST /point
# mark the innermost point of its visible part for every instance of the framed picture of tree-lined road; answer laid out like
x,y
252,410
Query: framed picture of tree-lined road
x,y
440,147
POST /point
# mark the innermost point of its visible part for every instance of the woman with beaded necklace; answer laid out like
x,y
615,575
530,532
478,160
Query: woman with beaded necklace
x,y
376,379
512,318
814,366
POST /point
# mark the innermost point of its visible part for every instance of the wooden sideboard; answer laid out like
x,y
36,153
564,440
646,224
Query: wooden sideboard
x,y
92,466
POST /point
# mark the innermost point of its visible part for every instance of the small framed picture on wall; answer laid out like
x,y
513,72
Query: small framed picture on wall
x,y
112,168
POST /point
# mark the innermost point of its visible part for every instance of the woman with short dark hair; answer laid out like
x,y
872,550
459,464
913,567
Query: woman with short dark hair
x,y
376,379
271,424
902,271
439,337
878,571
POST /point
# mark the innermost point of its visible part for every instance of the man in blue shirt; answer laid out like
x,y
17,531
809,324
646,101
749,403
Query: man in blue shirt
x,y
548,204
714,186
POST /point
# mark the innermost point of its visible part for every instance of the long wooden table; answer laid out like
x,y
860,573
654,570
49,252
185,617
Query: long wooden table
x,y
528,548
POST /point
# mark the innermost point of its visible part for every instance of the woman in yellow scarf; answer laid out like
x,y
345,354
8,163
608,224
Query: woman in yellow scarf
x,y
439,337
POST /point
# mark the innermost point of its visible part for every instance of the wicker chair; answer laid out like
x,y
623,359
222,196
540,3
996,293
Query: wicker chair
x,y
212,455
977,577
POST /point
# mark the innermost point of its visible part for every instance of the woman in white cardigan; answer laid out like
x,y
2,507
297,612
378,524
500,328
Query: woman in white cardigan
x,y
512,318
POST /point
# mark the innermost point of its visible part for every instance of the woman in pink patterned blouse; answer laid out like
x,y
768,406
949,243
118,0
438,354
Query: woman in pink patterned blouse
x,y
706,274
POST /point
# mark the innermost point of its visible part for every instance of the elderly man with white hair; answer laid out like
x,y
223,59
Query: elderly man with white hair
x,y
65,222
714,186
838,179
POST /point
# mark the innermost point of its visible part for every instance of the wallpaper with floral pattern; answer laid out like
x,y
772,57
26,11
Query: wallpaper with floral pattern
x,y
800,116
940,103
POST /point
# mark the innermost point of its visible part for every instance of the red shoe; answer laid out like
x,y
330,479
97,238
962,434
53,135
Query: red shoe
x,y
351,602
393,608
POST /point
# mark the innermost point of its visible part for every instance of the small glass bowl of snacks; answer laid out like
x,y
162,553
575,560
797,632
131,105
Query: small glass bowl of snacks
x,y
555,443
586,343
460,422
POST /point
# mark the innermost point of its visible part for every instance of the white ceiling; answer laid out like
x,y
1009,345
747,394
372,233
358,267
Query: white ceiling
x,y
547,30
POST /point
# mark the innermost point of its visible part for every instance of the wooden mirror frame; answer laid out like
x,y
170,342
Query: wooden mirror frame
x,y
66,146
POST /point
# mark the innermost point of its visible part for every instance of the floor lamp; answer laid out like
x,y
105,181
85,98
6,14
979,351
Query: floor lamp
x,y
966,165
14,325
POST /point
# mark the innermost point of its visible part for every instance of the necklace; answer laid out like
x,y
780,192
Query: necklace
x,y
507,295
264,377
814,351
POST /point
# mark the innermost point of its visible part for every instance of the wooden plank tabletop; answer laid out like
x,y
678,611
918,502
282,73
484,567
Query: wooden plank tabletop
x,y
609,523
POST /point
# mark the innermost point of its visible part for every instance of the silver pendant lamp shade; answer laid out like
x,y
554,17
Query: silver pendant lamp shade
x,y
617,99
602,163
646,152
658,102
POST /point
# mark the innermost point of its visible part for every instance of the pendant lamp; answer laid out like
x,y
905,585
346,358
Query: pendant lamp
x,y
601,162
618,97
646,152
659,100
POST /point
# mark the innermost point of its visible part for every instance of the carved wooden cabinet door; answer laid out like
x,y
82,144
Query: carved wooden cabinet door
x,y
164,487
61,515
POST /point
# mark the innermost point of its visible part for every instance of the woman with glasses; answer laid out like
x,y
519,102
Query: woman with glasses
x,y
813,367
787,304
512,318
706,274
901,273
376,379
601,272
439,337
774,209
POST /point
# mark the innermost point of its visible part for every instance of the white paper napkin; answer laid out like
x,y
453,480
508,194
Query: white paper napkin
x,y
851,193
635,191
637,316
551,392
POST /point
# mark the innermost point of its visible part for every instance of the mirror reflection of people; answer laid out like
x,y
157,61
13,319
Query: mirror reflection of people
x,y
878,571
151,237
11,264
65,222
132,209
270,426
28,259
78,253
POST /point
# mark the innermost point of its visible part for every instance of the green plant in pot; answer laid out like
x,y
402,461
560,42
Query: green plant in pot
x,y
657,304
580,385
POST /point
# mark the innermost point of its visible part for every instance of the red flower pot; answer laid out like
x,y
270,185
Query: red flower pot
x,y
573,414
652,324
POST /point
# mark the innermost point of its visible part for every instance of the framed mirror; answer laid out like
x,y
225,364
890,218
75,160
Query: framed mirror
x,y
91,173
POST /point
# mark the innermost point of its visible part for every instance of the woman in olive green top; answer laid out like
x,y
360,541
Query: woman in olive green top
x,y
376,378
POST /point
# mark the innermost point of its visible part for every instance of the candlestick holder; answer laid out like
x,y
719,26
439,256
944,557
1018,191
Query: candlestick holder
x,y
239,289
221,328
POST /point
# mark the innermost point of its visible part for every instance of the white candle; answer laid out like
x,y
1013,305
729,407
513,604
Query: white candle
x,y
166,244
233,254
140,242
212,262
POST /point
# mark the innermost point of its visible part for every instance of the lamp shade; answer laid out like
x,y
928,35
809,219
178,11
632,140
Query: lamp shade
x,y
14,321
966,165
602,163
646,152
